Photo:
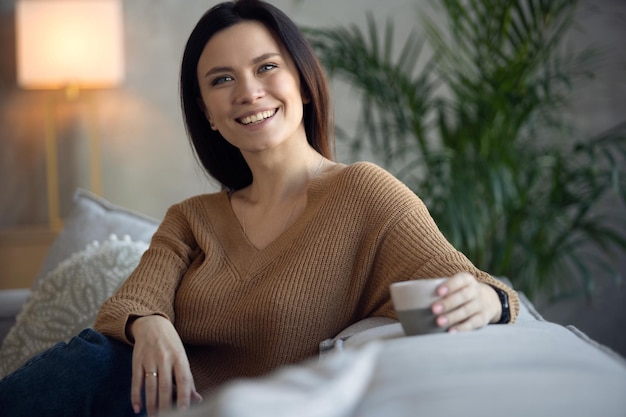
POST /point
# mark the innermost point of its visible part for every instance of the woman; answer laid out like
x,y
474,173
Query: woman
x,y
294,249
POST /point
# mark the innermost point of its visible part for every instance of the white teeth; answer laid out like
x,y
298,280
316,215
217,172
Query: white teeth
x,y
257,117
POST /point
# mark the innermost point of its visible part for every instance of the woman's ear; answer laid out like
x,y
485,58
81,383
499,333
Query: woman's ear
x,y
206,112
306,97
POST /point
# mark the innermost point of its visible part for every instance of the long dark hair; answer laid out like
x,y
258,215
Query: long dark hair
x,y
219,158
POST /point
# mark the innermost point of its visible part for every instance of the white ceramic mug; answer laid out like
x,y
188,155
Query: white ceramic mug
x,y
413,301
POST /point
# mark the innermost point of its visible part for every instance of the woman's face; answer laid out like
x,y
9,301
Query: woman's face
x,y
251,88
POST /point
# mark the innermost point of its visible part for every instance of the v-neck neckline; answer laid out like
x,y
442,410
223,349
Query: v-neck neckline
x,y
248,256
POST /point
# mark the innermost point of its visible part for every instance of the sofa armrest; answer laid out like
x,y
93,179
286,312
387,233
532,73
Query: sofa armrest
x,y
11,302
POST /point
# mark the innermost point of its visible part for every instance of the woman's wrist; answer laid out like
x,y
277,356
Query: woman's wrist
x,y
494,302
504,311
128,330
131,325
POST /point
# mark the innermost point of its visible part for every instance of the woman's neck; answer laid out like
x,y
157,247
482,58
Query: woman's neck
x,y
280,178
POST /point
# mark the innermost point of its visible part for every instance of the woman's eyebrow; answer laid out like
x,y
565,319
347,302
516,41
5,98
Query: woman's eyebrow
x,y
217,70
264,57
260,58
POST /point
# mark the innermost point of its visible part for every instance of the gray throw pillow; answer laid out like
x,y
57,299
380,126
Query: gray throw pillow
x,y
94,218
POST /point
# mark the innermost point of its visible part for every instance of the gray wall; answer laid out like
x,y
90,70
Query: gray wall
x,y
146,160
598,105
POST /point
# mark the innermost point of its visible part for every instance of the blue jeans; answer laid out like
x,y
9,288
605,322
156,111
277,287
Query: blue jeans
x,y
89,376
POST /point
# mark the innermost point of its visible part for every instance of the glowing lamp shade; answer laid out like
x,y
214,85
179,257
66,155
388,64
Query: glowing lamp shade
x,y
64,43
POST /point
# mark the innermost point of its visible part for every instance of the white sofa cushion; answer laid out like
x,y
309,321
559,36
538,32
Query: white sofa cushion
x,y
68,298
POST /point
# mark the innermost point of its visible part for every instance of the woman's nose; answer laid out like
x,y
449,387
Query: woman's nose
x,y
248,90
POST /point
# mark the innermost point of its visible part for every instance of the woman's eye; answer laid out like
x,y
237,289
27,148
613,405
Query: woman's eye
x,y
267,67
221,80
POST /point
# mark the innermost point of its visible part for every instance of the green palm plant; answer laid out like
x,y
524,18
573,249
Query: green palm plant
x,y
477,129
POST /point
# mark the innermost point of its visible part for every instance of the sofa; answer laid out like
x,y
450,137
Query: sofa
x,y
530,368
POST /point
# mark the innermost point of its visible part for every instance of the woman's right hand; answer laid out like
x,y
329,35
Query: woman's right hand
x,y
159,362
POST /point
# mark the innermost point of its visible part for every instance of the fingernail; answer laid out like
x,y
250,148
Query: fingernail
x,y
442,321
136,409
437,308
453,331
443,290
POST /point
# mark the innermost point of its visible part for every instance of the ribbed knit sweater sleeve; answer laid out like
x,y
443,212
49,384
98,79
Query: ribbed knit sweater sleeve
x,y
411,246
151,288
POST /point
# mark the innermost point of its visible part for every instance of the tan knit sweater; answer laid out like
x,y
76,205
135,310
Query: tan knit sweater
x,y
242,311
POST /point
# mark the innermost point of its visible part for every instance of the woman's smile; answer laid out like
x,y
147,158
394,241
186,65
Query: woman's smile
x,y
256,118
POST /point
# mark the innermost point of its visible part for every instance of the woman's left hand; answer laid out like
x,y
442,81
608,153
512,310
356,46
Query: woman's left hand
x,y
466,304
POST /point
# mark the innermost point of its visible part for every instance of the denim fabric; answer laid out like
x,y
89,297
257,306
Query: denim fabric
x,y
89,376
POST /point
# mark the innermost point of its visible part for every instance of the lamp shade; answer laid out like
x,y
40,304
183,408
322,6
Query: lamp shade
x,y
69,42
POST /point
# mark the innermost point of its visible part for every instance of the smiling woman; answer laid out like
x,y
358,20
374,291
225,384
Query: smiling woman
x,y
251,96
252,93
295,248
286,41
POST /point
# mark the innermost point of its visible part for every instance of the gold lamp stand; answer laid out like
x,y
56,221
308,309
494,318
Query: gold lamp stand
x,y
52,159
